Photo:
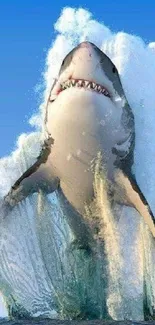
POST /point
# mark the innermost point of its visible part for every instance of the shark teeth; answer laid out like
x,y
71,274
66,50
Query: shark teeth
x,y
85,84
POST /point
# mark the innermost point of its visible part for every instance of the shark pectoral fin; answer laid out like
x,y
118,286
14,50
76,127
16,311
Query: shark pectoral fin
x,y
38,176
127,192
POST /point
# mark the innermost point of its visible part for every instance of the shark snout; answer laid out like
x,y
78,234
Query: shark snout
x,y
87,45
84,51
85,64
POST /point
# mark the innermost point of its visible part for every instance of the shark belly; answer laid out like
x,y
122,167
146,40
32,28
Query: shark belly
x,y
79,135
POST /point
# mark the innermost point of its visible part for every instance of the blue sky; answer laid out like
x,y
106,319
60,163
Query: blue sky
x,y
26,33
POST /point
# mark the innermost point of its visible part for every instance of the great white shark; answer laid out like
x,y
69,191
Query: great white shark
x,y
87,113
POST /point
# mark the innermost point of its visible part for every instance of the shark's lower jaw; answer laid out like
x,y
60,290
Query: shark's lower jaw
x,y
81,83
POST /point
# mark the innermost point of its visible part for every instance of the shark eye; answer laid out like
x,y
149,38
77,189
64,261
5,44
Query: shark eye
x,y
63,62
113,69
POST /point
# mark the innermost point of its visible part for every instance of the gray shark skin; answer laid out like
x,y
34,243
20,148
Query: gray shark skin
x,y
87,113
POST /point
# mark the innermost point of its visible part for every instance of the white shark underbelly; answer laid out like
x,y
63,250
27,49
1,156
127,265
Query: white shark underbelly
x,y
80,129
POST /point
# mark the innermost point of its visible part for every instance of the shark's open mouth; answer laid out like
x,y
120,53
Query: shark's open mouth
x,y
80,83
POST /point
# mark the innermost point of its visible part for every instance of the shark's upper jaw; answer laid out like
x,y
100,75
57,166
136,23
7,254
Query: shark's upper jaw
x,y
82,68
86,84
79,83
